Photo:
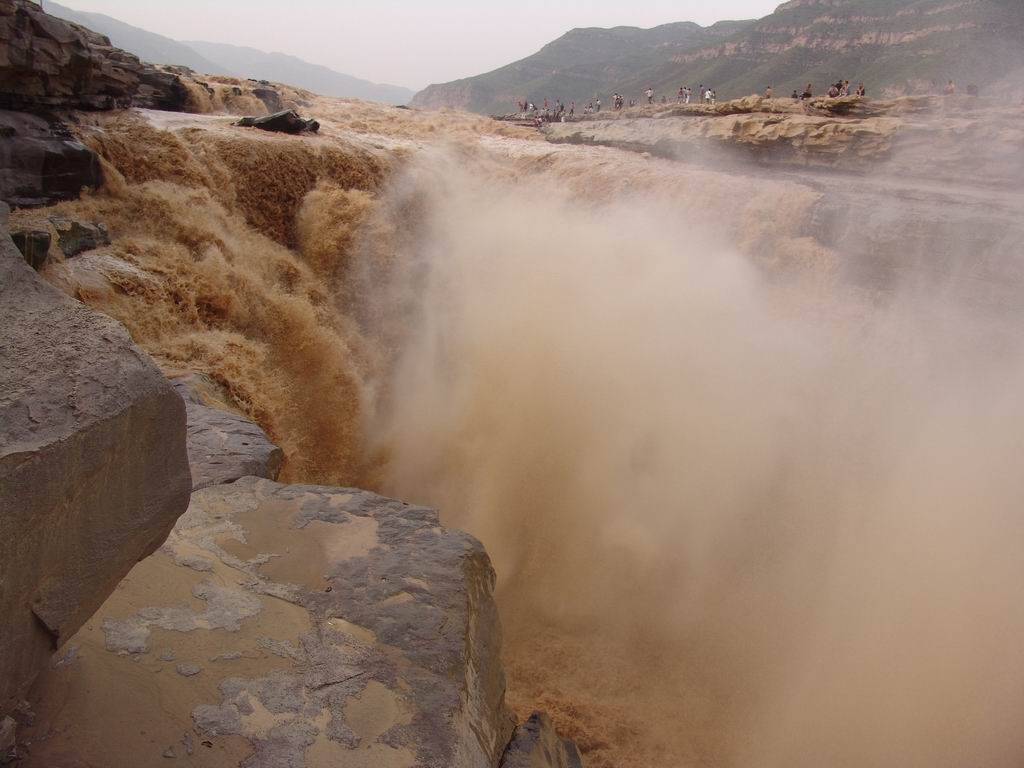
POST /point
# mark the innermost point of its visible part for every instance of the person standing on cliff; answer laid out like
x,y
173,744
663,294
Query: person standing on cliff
x,y
951,88
769,93
808,92
649,93
572,109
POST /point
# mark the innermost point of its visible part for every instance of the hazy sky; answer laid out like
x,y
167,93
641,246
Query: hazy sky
x,y
406,42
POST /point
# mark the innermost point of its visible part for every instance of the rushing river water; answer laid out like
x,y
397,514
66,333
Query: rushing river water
x,y
743,444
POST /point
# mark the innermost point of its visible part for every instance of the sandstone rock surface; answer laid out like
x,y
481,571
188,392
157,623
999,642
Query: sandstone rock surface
x,y
223,446
949,140
717,134
330,626
93,470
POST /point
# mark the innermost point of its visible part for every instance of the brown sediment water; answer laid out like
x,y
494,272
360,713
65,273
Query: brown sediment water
x,y
744,510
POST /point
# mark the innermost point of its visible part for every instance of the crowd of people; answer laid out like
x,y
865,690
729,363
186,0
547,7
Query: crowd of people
x,y
547,112
704,95
838,89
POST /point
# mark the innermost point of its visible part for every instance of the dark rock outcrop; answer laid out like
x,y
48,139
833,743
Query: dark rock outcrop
x,y
223,446
49,63
75,237
287,121
93,469
41,162
536,745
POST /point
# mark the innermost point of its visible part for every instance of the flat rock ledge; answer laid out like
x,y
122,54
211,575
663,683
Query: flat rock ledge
x,y
315,627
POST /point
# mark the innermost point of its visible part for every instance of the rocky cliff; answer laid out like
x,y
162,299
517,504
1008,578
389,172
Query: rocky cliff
x,y
46,62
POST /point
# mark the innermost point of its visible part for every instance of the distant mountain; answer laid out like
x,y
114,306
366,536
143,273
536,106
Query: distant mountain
x,y
577,66
249,62
893,46
148,46
220,59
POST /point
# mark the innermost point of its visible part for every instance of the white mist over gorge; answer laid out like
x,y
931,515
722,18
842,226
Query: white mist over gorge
x,y
684,433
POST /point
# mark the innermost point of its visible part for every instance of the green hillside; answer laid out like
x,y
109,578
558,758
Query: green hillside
x,y
893,46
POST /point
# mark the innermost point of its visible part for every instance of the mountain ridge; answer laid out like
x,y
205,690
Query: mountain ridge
x,y
286,68
148,46
895,46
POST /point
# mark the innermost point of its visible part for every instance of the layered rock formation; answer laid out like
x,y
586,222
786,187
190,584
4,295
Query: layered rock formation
x,y
46,62
93,471
754,129
926,137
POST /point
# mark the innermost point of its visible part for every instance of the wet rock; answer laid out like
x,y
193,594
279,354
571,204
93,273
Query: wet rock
x,y
34,245
228,656
223,445
41,162
399,664
188,670
75,237
93,467
286,121
536,745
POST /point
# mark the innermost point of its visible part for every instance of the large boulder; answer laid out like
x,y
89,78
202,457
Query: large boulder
x,y
287,626
93,468
41,162
223,445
